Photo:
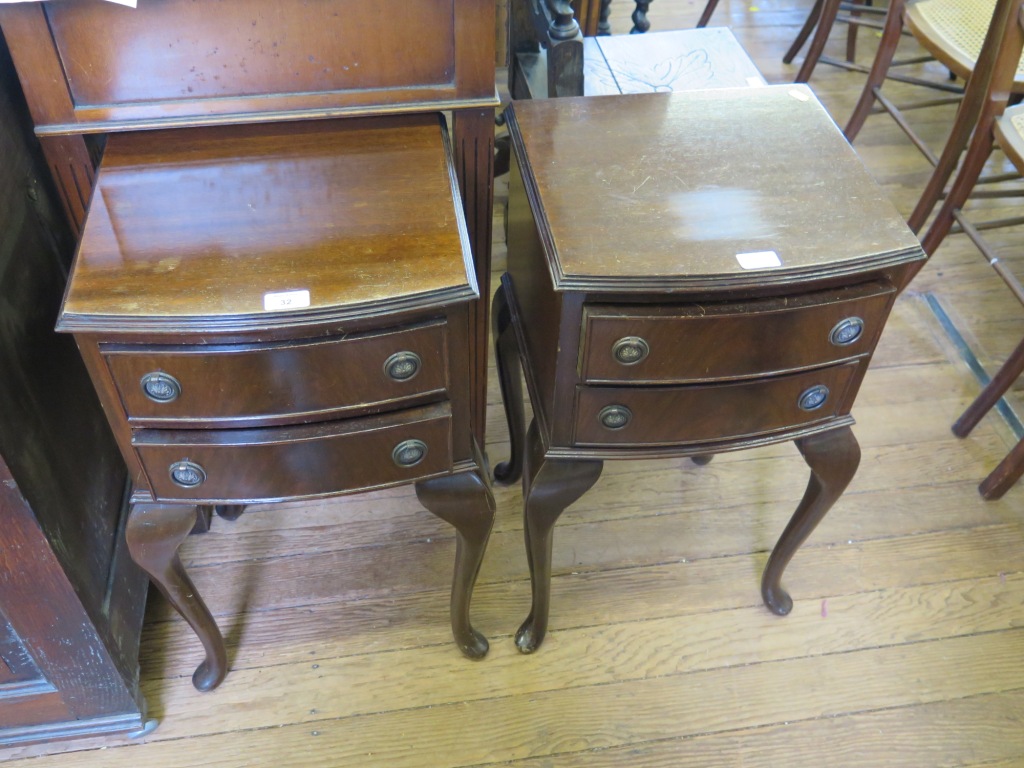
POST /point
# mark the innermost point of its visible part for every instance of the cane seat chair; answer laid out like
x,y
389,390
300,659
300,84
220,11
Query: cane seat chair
x,y
962,35
820,20
1004,126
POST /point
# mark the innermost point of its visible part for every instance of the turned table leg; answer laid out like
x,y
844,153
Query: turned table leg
x,y
154,532
509,367
833,457
549,486
465,501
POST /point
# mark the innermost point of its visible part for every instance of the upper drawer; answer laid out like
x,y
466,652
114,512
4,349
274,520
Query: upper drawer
x,y
690,343
225,385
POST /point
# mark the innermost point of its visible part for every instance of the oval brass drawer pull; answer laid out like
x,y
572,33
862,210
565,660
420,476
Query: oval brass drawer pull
x,y
615,416
846,332
630,350
409,453
813,398
402,366
187,474
160,387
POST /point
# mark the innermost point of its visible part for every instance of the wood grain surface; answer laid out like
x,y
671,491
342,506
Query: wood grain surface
x,y
903,649
753,181
259,210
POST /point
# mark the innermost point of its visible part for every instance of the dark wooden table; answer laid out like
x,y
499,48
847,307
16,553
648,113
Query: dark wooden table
x,y
723,287
281,311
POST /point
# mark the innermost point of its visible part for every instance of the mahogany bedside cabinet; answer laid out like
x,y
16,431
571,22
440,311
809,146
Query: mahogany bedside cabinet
x,y
282,311
716,281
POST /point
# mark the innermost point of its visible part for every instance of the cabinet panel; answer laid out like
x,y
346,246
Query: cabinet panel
x,y
70,605
18,672
180,49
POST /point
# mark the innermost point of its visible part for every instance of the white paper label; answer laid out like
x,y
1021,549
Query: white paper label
x,y
759,260
755,82
799,95
286,300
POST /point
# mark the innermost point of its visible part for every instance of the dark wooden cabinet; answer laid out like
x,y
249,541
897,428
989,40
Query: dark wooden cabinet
x,y
718,283
93,68
213,394
70,598
279,312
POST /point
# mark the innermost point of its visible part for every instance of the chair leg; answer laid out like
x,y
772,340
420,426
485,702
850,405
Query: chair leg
x,y
891,33
708,12
973,116
948,160
829,9
802,35
973,163
1005,475
851,32
640,21
604,27
995,389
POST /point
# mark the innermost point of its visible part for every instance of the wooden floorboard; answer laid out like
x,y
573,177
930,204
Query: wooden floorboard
x,y
905,646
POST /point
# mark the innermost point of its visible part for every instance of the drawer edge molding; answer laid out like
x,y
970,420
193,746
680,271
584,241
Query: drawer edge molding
x,y
294,320
708,447
758,280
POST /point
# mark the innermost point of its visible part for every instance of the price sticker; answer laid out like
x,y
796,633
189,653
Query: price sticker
x,y
759,260
286,300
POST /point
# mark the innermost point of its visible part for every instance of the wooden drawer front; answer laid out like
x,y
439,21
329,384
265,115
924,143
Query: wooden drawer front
x,y
227,385
729,341
679,415
294,462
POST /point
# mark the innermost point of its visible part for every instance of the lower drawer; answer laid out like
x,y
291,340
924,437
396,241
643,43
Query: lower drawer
x,y
296,462
650,416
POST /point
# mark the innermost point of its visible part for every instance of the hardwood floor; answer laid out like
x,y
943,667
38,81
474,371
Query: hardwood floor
x,y
905,646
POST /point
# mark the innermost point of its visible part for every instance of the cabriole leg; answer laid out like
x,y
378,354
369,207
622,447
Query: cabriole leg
x,y
549,486
154,533
465,501
509,367
833,458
